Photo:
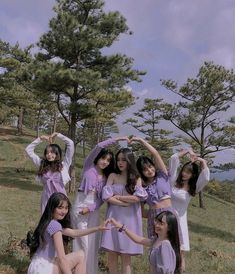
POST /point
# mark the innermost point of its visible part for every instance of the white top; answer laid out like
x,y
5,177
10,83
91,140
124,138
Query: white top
x,y
180,198
67,160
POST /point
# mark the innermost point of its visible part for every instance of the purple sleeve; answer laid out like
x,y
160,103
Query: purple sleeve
x,y
107,192
163,187
95,151
89,181
141,193
53,227
165,259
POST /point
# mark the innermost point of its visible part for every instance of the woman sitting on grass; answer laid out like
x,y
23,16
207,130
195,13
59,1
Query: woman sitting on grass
x,y
164,255
47,248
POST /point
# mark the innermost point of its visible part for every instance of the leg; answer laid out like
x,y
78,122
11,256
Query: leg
x,y
183,261
76,261
126,263
113,262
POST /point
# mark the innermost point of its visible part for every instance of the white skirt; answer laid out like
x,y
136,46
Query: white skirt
x,y
40,265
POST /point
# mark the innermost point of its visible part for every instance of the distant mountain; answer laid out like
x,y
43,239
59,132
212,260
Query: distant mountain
x,y
226,175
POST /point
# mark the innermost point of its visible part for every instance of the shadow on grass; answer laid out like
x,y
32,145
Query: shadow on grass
x,y
211,232
11,178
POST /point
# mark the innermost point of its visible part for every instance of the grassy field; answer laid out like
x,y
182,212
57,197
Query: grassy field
x,y
212,230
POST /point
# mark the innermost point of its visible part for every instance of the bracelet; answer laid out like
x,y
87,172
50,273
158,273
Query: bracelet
x,y
121,229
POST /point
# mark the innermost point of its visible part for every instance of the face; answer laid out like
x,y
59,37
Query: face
x,y
186,174
61,211
104,161
149,171
161,227
50,155
121,162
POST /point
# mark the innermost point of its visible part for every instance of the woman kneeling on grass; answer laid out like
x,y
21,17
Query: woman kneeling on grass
x,y
47,248
164,254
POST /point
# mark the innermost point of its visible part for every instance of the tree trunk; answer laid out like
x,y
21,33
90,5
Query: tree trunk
x,y
20,121
201,203
38,122
54,126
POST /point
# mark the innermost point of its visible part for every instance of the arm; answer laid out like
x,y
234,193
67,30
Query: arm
x,y
61,257
83,232
134,237
31,147
204,176
69,147
159,164
107,193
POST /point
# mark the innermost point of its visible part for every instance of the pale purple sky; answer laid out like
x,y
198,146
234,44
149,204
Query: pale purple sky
x,y
171,38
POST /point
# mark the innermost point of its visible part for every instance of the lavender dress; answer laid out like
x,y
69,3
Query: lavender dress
x,y
162,258
112,240
158,190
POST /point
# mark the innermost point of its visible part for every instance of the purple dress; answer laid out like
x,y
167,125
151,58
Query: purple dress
x,y
158,190
112,240
162,258
52,182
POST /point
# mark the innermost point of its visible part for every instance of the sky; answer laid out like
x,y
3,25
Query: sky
x,y
171,39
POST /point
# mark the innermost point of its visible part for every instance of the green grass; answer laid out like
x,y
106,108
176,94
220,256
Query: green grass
x,y
212,230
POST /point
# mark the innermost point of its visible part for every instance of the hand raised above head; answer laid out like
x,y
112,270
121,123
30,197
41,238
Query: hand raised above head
x,y
135,139
52,137
45,138
123,138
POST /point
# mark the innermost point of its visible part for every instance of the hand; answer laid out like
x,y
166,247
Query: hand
x,y
135,139
45,138
104,225
84,211
117,197
123,138
115,223
52,137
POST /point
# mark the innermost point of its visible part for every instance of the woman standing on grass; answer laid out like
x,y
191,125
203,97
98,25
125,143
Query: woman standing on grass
x,y
164,257
155,181
97,167
123,193
53,173
184,187
47,248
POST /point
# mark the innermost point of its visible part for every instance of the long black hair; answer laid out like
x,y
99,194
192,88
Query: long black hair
x,y
102,154
194,169
38,236
141,163
55,165
172,235
132,172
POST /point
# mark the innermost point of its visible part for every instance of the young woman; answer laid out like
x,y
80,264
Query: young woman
x,y
155,181
97,167
184,187
123,193
47,249
164,257
53,173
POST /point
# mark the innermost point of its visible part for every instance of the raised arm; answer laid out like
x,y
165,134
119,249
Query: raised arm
x,y
134,237
31,147
69,147
159,164
204,176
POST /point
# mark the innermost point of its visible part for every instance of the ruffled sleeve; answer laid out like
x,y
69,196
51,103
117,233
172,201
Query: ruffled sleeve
x,y
89,181
165,259
53,227
203,179
107,192
173,167
30,151
141,193
69,149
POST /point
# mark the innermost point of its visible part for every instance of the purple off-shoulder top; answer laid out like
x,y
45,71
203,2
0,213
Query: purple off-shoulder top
x,y
162,258
90,180
159,189
47,249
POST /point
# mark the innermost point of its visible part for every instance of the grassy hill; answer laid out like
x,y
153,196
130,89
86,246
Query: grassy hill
x,y
212,230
